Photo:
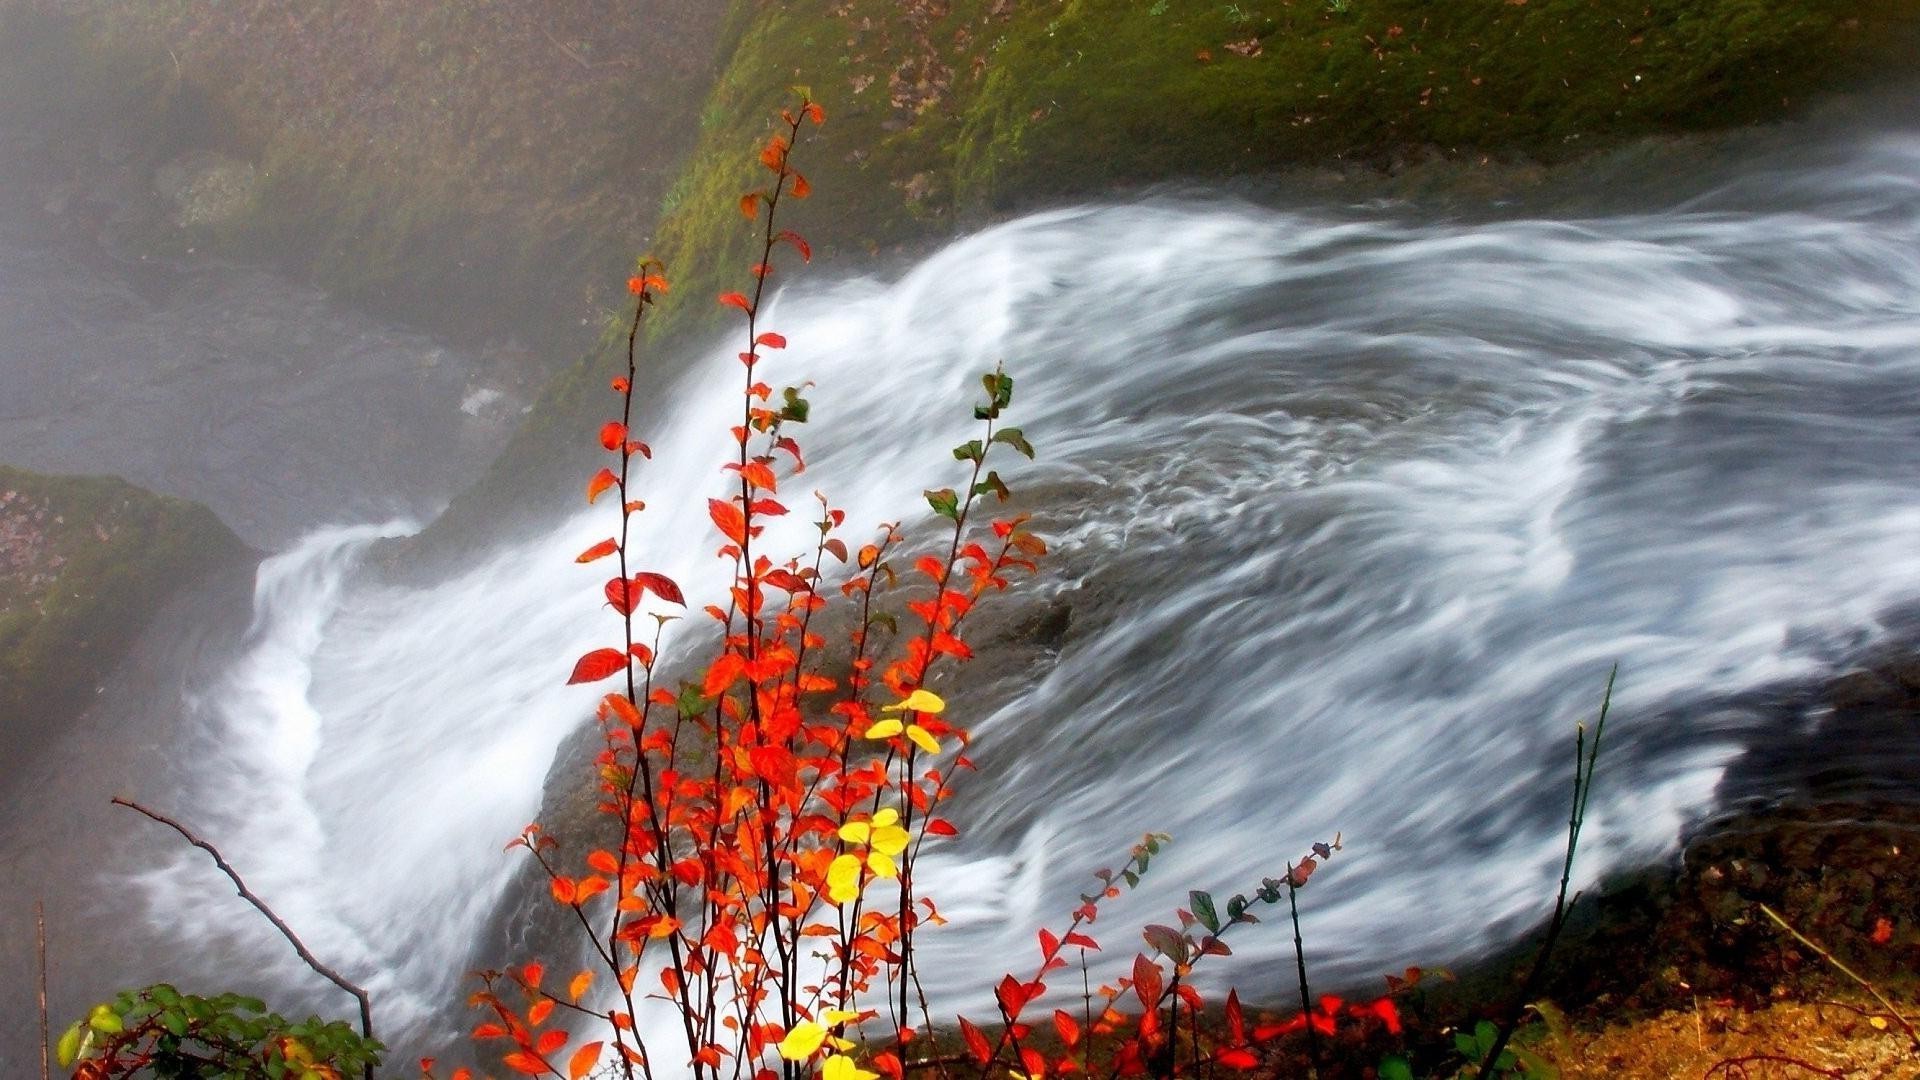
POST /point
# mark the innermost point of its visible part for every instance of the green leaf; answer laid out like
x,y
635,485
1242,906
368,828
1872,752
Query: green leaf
x,y
175,1021
68,1049
945,503
796,408
1202,906
1395,1067
971,450
691,702
993,485
105,1021
1013,437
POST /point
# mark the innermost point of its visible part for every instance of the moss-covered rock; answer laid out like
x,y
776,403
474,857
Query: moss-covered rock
x,y
84,561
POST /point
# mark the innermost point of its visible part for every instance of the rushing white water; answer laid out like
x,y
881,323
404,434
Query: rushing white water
x,y
1368,505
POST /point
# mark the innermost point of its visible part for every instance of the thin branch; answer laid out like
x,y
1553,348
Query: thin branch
x,y
332,976
1585,756
1300,961
1912,1036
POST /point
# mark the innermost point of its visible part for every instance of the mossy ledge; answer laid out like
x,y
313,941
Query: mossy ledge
x,y
84,562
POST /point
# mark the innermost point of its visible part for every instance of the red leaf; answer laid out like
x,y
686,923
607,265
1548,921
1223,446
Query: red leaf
x,y
801,189
612,434
601,481
728,668
1049,944
1068,1027
750,205
770,340
1147,982
890,1066
541,1009
977,1044
522,1062
1014,994
799,244
662,587
1236,1018
1882,931
620,384
728,519
489,1031
1237,1057
622,594
551,1041
597,665
1082,940
942,827
598,551
734,299
815,113
583,1060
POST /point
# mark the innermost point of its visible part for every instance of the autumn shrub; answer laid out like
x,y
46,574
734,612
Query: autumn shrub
x,y
769,811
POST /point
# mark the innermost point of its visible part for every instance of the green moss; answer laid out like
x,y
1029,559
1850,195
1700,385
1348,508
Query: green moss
x,y
84,561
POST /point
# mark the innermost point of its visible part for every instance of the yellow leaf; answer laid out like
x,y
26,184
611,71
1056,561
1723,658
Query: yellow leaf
x,y
579,985
842,1067
843,879
923,738
922,700
802,1041
885,729
881,865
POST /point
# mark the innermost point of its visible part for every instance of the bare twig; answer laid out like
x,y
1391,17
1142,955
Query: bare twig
x,y
360,995
1300,962
40,951
1585,756
1913,1037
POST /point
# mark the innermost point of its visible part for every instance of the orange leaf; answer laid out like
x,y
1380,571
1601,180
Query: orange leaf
x,y
522,1062
601,481
734,299
750,205
603,861
815,113
551,1041
758,475
540,1011
801,189
612,434
598,551
583,1060
728,519
770,340
597,665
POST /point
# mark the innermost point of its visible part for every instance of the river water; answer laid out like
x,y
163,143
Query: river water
x,y
1353,509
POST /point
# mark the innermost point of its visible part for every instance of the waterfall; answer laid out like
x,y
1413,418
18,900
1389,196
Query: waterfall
x,y
1367,505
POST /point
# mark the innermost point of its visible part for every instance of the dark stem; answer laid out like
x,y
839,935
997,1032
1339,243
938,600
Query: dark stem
x,y
219,860
1585,756
1300,963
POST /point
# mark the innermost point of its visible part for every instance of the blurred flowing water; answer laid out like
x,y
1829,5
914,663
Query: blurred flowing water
x,y
1370,503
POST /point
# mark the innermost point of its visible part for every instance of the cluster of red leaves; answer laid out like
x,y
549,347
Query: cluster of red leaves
x,y
771,808
1132,1027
